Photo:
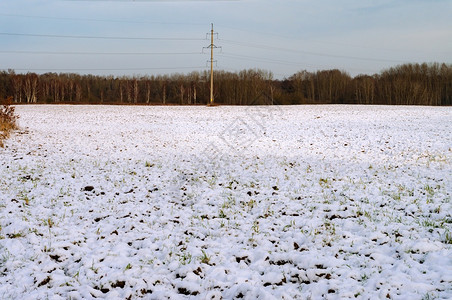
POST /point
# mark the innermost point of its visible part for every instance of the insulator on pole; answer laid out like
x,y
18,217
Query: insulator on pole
x,y
211,46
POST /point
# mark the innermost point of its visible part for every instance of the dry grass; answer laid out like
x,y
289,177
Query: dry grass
x,y
8,119
5,129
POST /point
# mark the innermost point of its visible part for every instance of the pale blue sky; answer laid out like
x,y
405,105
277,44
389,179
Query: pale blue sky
x,y
358,36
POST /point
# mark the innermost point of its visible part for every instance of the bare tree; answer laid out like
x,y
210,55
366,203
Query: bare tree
x,y
30,86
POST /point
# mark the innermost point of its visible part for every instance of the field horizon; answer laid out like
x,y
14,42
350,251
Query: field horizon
x,y
253,202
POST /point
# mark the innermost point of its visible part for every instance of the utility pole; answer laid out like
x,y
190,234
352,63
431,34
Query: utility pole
x,y
211,46
211,65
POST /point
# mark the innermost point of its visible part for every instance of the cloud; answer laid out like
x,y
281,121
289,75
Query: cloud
x,y
387,29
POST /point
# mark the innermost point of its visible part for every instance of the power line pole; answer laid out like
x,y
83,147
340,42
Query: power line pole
x,y
212,46
211,65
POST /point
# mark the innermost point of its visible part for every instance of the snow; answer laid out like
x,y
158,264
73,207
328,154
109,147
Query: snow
x,y
267,202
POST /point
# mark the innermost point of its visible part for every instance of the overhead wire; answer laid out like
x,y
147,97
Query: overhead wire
x,y
230,42
96,53
133,1
107,69
282,62
35,52
101,20
254,58
266,33
227,41
101,37
267,47
348,45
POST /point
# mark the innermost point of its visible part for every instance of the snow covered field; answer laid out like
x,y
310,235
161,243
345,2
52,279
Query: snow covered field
x,y
284,202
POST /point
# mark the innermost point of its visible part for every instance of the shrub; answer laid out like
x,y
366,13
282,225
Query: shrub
x,y
8,119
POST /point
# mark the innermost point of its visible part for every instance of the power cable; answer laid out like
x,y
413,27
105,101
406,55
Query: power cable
x,y
106,69
97,53
305,41
257,59
100,20
132,1
259,46
283,62
102,37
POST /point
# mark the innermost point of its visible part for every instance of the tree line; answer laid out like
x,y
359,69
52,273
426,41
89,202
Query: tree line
x,y
407,84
